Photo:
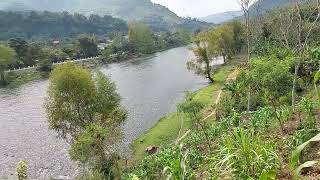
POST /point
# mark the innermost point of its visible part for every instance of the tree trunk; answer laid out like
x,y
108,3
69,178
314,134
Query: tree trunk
x,y
208,69
2,77
294,84
249,99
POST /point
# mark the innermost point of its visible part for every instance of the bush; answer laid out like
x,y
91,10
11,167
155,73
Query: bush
x,y
22,170
244,155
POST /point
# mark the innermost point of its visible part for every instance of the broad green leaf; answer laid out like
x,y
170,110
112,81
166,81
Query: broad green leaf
x,y
315,80
304,165
296,153
270,175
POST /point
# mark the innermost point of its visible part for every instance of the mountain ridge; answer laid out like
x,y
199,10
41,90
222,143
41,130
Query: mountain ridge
x,y
219,18
157,16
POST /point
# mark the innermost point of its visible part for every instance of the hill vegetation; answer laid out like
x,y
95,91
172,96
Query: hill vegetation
x,y
222,17
154,15
56,25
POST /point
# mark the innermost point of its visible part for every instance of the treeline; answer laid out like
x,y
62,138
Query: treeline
x,y
56,25
142,40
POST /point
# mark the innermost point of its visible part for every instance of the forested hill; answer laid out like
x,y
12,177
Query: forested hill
x,y
154,15
56,25
262,6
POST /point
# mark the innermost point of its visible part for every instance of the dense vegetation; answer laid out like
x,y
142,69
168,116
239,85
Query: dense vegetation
x,y
141,40
264,123
56,25
158,17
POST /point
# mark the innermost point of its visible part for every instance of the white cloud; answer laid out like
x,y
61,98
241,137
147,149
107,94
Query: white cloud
x,y
199,8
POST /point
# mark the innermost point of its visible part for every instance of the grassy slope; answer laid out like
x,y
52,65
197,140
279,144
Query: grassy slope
x,y
168,128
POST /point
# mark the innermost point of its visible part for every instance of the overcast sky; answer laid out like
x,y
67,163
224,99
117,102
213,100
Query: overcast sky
x,y
199,8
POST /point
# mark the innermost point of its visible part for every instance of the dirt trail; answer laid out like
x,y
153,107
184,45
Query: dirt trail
x,y
231,77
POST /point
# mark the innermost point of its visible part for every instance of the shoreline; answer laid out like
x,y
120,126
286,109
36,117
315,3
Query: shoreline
x,y
16,79
173,125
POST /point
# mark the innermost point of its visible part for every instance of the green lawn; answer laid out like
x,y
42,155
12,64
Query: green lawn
x,y
168,129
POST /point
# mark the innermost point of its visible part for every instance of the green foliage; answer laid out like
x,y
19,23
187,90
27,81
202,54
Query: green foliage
x,y
88,46
191,107
178,168
55,25
315,82
7,57
202,64
244,154
297,152
22,170
141,38
85,111
71,97
89,144
271,81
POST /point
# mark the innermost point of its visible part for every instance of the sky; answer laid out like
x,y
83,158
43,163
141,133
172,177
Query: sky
x,y
199,8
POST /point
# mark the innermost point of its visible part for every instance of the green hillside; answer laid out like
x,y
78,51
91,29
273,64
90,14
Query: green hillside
x,y
154,15
263,6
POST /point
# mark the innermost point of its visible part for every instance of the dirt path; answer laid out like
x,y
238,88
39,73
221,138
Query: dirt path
x,y
231,77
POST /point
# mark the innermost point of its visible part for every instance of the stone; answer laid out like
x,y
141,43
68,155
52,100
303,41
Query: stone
x,y
151,149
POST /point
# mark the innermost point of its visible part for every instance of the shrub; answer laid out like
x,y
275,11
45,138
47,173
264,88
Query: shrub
x,y
244,155
22,170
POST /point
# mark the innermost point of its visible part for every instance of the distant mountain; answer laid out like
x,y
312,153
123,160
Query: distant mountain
x,y
222,17
157,16
263,6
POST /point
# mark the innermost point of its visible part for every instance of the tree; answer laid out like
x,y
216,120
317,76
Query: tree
x,y
22,170
293,28
7,57
86,112
202,58
245,6
20,46
270,81
221,42
34,55
88,46
142,38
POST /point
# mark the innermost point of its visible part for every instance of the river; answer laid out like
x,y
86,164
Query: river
x,y
150,88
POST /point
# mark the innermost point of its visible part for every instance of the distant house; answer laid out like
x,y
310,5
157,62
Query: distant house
x,y
102,46
55,42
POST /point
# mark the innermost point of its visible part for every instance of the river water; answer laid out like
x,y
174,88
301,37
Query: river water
x,y
150,88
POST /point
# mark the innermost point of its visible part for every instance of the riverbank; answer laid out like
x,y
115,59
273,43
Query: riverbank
x,y
174,125
17,78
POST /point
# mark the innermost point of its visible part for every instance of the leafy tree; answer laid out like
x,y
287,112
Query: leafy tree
x,y
20,46
88,46
34,54
221,42
7,57
56,25
22,170
270,81
202,58
85,111
142,38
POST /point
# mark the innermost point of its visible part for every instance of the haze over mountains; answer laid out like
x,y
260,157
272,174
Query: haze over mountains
x,y
157,16
222,17
259,7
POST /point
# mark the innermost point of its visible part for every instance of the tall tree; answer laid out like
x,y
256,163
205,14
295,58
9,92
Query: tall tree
x,y
7,57
142,38
88,46
245,6
202,64
85,111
